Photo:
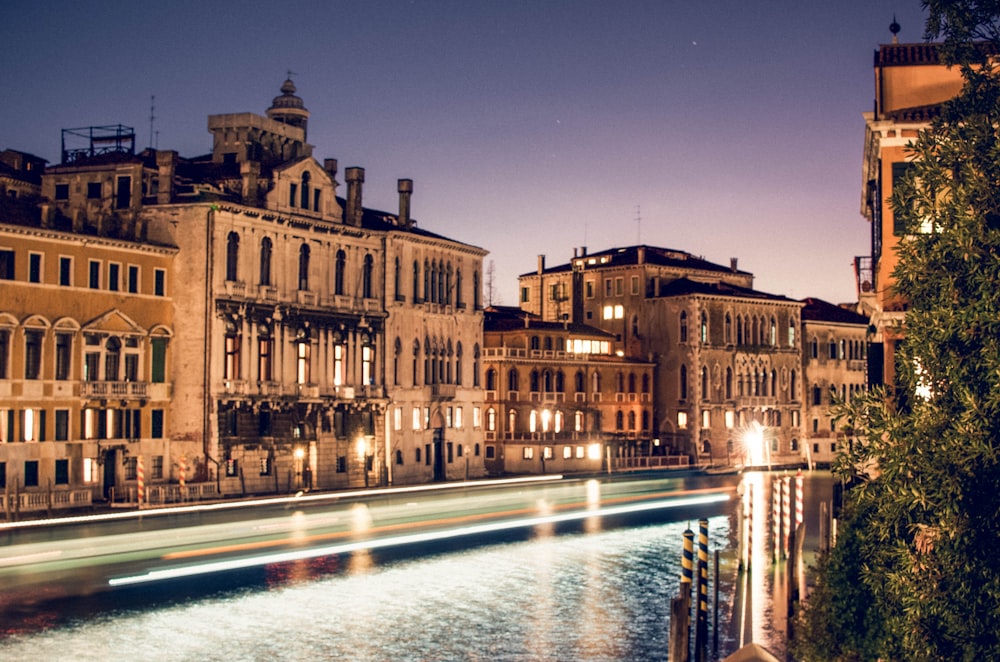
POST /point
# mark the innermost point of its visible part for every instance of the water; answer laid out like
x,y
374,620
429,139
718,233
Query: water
x,y
603,595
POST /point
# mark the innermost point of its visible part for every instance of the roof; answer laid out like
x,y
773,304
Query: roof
x,y
509,318
643,254
686,286
817,310
919,114
900,55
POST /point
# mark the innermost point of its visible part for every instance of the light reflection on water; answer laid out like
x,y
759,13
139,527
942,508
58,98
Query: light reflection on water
x,y
593,596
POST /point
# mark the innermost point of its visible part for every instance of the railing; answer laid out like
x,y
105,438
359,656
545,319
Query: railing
x,y
114,389
170,493
306,298
649,462
45,500
235,288
444,391
268,293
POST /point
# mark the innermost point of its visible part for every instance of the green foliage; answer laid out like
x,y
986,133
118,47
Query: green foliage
x,y
925,537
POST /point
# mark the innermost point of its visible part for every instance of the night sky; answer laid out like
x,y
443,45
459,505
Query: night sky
x,y
728,128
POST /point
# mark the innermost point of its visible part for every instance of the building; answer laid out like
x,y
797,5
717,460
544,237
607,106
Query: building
x,y
834,363
911,83
561,398
293,306
727,358
86,326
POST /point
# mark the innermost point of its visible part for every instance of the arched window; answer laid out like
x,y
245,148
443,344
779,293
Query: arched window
x,y
560,382
645,383
595,382
475,365
793,388
491,419
729,383
684,382
580,381
684,326
704,327
491,380
304,267
631,420
729,329
339,268
232,256
476,294
620,382
774,383
791,332
305,192
397,282
458,363
459,301
366,277
265,261
511,422
397,351
416,360
704,383
619,420
533,381
631,382
739,330
536,343
112,359
773,336
512,381
416,282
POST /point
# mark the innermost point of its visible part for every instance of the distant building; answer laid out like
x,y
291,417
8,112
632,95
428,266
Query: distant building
x,y
561,398
727,387
834,363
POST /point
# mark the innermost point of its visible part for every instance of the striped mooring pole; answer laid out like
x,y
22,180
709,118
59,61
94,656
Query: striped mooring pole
x,y
786,512
776,520
701,634
140,476
687,560
749,518
182,471
799,515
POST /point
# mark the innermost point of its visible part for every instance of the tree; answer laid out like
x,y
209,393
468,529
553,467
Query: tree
x,y
928,524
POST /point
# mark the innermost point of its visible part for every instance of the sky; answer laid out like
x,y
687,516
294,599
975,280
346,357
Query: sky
x,y
723,128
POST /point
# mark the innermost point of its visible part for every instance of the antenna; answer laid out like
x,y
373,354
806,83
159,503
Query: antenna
x,y
152,117
638,225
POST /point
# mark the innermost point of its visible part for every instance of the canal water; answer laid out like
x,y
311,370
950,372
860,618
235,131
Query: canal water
x,y
592,593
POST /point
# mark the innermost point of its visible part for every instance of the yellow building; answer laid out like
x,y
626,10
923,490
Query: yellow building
x,y
911,83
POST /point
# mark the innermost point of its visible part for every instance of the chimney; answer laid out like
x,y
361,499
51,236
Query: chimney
x,y
642,255
330,165
583,251
541,264
574,252
166,163
405,187
355,178
732,264
250,171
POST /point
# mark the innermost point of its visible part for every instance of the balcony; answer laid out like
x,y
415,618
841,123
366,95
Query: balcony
x,y
268,293
306,298
115,390
309,391
236,289
443,391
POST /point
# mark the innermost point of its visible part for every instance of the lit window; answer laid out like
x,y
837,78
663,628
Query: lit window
x,y
567,452
579,452
706,419
416,419
397,419
458,417
682,419
529,453
619,312
609,312
730,417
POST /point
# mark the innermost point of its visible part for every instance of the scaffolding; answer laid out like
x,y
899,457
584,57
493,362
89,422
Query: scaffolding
x,y
90,141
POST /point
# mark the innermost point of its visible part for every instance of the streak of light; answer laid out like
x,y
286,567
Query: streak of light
x,y
285,557
31,558
297,499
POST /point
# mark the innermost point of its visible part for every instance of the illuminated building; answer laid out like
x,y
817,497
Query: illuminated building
x,y
560,398
911,83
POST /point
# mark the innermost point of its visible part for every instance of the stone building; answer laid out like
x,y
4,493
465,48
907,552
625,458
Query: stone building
x,y
293,306
834,362
561,398
728,383
86,327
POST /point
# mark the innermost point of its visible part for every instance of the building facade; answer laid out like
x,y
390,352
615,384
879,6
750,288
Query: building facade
x,y
834,362
911,83
561,398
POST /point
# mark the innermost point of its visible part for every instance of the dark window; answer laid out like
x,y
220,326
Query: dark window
x,y
366,277
899,171
94,275
114,271
66,271
124,197
94,190
3,474
159,362
338,274
265,261
156,424
34,268
304,267
31,473
62,472
64,357
159,282
133,279
62,191
232,256
62,424
341,464
7,264
32,354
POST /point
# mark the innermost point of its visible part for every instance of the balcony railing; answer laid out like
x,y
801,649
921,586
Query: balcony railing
x,y
443,391
121,390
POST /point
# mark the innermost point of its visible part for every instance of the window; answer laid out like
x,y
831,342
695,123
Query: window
x,y
265,348
304,267
64,355
232,256
159,360
367,364
32,354
635,285
114,273
338,275
683,382
159,282
684,326
94,190
133,279
124,198
704,327
265,261
619,286
529,453
7,264
94,275
62,191
293,190
34,267
156,467
366,277
231,368
525,295
66,271
62,425
31,473
62,472
302,362
589,288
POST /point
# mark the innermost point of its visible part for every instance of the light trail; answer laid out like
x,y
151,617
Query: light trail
x,y
299,498
391,541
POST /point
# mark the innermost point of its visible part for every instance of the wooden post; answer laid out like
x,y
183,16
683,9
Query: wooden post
x,y
715,608
680,624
